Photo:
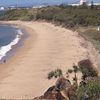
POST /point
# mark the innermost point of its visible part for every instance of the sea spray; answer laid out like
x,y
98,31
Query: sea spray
x,y
5,49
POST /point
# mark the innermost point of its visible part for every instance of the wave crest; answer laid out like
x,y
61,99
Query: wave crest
x,y
5,49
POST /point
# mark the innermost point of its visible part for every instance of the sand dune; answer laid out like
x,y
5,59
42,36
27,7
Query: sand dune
x,y
24,76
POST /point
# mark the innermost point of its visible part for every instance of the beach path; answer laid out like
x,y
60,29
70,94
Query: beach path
x,y
47,48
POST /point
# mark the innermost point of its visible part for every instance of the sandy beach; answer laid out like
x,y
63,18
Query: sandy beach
x,y
48,47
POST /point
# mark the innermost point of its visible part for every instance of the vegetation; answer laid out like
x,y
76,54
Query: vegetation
x,y
91,34
65,15
87,89
50,74
69,16
55,74
90,91
75,70
70,70
15,14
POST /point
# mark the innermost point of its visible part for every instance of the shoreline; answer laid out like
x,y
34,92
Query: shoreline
x,y
22,42
18,54
17,46
48,47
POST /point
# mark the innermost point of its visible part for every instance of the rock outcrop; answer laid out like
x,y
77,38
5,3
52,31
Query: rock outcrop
x,y
57,92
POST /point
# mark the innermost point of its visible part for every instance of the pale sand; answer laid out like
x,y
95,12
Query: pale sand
x,y
24,76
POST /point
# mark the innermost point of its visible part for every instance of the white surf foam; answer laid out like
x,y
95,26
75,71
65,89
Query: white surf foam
x,y
5,49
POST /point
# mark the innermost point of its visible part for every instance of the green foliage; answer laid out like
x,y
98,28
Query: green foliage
x,y
57,73
89,91
75,69
15,14
70,70
80,93
50,74
92,35
69,16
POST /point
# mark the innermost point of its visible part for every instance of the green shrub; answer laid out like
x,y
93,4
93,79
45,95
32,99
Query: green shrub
x,y
68,15
90,91
57,73
70,70
50,74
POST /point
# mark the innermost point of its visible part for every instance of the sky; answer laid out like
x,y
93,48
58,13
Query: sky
x,y
36,2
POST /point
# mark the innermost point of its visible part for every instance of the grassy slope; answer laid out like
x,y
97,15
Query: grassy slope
x,y
91,34
67,15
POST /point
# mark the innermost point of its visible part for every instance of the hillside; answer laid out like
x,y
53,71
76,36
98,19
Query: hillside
x,y
68,16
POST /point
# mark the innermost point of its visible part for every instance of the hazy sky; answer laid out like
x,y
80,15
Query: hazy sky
x,y
22,2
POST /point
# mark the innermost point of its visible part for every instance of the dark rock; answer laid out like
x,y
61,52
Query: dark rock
x,y
85,62
52,94
62,84
87,68
55,92
72,93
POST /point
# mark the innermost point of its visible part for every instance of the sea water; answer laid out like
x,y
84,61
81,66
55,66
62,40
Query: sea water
x,y
9,36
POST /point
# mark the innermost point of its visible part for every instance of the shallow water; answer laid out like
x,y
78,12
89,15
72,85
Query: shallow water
x,y
9,36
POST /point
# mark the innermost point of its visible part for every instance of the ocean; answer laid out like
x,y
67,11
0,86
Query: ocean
x,y
9,37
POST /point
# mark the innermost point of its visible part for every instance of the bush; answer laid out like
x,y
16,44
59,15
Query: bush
x,y
70,70
50,74
75,69
90,91
57,73
68,15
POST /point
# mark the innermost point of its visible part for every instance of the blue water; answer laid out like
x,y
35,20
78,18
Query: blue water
x,y
10,36
7,34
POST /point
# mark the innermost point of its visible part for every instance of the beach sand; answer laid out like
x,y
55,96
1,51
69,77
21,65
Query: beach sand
x,y
24,76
